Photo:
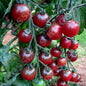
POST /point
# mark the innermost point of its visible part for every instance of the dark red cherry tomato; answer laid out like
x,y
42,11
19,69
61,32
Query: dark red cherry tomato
x,y
61,83
54,32
20,12
56,52
66,75
72,56
40,19
61,61
71,28
74,77
28,74
57,72
61,20
47,73
26,56
24,37
53,66
65,42
46,59
43,40
74,45
79,78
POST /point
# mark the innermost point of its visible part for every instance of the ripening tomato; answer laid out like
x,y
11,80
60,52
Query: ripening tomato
x,y
57,72
66,75
54,32
47,73
40,19
79,78
55,51
61,61
28,73
24,36
20,12
65,42
72,56
26,56
71,28
46,59
43,40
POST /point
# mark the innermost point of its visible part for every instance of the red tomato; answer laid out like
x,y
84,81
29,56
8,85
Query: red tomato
x,y
61,83
40,19
65,42
26,56
61,20
71,28
74,45
71,56
43,40
66,75
20,12
79,78
28,74
56,52
46,59
24,37
54,32
57,72
47,74
61,61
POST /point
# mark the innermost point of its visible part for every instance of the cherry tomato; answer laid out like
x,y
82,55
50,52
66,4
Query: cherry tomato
x,y
46,59
72,56
26,56
24,37
74,45
28,74
61,20
61,61
61,83
65,42
56,52
47,73
71,28
54,32
74,77
57,72
38,83
20,12
79,78
40,19
43,40
66,75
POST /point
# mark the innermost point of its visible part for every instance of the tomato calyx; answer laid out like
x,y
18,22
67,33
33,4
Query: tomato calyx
x,y
42,12
27,31
30,66
27,50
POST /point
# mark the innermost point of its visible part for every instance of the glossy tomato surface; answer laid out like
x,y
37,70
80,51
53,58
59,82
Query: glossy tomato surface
x,y
20,12
71,28
40,19
28,74
24,37
57,72
25,56
79,78
54,32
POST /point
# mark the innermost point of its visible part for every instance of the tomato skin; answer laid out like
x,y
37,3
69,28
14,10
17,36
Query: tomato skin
x,y
57,72
61,61
40,19
20,12
43,40
74,77
61,20
61,83
47,74
54,32
71,28
46,59
71,56
28,74
65,42
56,52
79,78
26,57
74,45
66,75
24,37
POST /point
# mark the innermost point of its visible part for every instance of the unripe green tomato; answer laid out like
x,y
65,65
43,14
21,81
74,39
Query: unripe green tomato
x,y
53,43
